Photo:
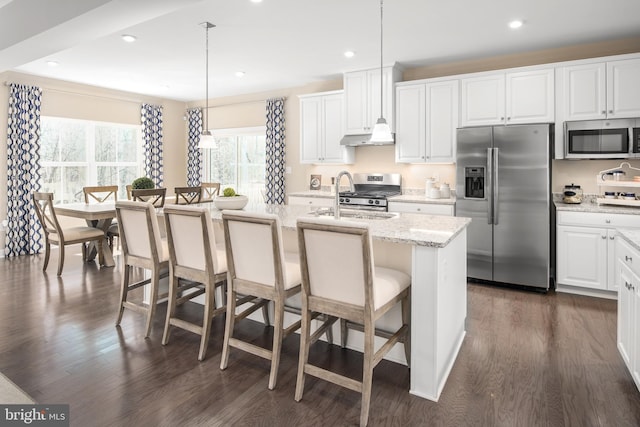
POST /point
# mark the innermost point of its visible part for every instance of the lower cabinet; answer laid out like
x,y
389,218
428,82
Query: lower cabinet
x,y
585,250
627,276
423,208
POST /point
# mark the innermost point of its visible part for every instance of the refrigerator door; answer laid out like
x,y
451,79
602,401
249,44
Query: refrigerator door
x,y
521,240
473,184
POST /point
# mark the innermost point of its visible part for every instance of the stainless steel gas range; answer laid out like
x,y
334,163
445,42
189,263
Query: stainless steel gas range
x,y
371,191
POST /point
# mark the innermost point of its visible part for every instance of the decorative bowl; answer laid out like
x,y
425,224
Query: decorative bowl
x,y
233,202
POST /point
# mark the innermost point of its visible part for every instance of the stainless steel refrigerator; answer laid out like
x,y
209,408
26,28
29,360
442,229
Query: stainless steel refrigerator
x,y
503,184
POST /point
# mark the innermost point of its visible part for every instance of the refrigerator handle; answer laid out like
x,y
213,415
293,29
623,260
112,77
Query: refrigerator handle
x,y
496,185
489,185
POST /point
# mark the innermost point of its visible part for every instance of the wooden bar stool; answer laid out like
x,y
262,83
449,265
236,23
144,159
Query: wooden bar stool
x,y
340,280
258,266
188,195
195,258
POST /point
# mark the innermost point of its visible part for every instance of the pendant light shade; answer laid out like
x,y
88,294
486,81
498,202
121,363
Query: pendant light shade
x,y
381,131
206,138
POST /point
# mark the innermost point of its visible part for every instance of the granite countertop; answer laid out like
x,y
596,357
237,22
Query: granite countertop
x,y
632,236
415,229
413,197
593,207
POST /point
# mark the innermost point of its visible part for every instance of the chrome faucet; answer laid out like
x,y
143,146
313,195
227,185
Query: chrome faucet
x,y
336,210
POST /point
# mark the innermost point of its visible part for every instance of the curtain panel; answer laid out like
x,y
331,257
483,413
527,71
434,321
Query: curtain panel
x,y
151,120
275,152
24,232
194,154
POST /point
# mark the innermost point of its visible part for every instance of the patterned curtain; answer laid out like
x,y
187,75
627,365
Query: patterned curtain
x,y
194,154
275,162
24,232
151,119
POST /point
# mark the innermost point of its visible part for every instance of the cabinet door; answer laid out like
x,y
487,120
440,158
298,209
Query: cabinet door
x,y
623,88
612,283
584,92
373,93
582,256
410,124
356,102
333,130
442,121
530,97
635,330
310,129
483,100
625,314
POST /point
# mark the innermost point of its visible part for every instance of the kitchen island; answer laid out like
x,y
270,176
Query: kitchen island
x,y
433,250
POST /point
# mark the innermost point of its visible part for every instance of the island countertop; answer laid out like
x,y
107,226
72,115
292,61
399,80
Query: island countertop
x,y
414,229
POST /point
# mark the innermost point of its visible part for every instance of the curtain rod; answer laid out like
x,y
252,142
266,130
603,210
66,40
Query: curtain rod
x,y
70,92
238,103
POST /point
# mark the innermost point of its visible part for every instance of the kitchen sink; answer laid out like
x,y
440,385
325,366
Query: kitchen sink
x,y
355,213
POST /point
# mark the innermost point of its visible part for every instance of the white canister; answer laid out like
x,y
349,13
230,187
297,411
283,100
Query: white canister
x,y
434,193
428,186
445,191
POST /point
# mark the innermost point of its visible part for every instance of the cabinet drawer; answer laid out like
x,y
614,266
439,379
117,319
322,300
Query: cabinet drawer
x,y
628,255
423,208
311,201
597,219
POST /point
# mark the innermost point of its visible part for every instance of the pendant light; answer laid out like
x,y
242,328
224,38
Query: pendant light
x,y
206,138
381,131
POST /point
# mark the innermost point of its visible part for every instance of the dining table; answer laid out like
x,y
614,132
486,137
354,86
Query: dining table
x,y
98,215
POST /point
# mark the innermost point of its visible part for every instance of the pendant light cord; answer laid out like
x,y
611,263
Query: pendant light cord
x,y
381,105
207,25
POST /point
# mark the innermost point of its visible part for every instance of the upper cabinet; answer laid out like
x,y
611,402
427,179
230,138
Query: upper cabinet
x,y
321,128
362,98
508,98
602,90
426,122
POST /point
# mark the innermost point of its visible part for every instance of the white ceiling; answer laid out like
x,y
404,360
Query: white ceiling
x,y
280,43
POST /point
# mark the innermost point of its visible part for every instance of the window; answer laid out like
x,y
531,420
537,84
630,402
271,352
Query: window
x,y
238,161
77,153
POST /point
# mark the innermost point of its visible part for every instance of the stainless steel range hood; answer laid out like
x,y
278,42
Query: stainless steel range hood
x,y
361,140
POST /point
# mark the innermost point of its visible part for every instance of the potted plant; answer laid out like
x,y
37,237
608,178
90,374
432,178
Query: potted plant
x,y
230,200
142,183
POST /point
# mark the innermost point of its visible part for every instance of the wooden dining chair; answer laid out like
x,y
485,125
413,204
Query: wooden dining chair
x,y
340,279
196,262
153,195
188,195
142,247
101,194
55,234
210,190
258,266
128,189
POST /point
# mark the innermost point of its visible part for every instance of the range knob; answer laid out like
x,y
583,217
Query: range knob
x,y
341,199
377,202
370,201
347,200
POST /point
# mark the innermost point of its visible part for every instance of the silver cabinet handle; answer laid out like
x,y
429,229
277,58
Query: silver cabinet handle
x,y
628,258
608,221
604,112
603,237
611,237
610,111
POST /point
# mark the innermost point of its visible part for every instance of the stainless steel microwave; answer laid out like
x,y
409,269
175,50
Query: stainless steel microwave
x,y
602,139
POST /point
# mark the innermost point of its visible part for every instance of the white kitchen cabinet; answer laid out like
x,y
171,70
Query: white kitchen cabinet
x,y
423,208
517,97
585,251
582,256
628,278
321,129
601,90
311,201
362,98
426,122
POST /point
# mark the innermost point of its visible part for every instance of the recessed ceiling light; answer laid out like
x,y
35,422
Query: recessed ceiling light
x,y
349,54
240,73
515,24
52,63
256,1
128,38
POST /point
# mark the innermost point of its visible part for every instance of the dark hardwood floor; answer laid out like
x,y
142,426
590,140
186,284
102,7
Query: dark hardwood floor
x,y
527,360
